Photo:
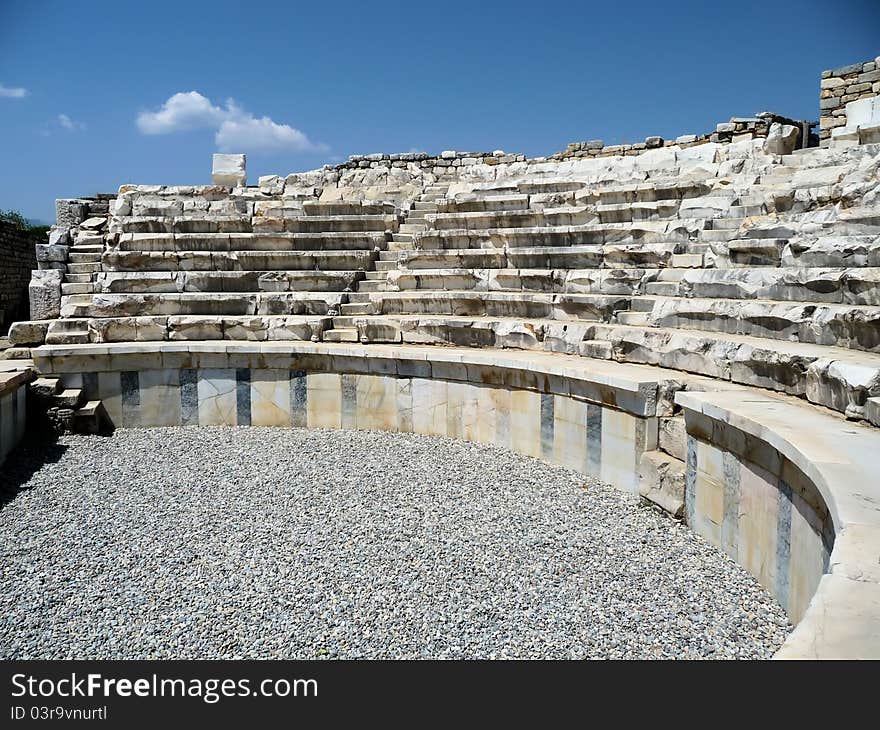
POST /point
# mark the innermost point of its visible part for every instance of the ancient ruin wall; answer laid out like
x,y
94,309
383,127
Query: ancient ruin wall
x,y
840,86
17,259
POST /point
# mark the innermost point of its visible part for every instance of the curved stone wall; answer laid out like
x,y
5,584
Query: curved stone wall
x,y
778,485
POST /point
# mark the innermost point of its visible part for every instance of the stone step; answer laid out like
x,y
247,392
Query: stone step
x,y
573,281
746,211
852,326
529,305
471,203
425,206
633,318
341,334
394,247
92,418
237,261
221,242
597,349
663,288
82,248
67,332
75,257
358,297
170,282
642,192
259,224
375,275
78,278
370,286
725,224
45,387
354,309
712,234
402,238
386,265
590,256
645,232
412,227
69,398
347,208
68,288
200,304
343,323
830,376
84,268
628,212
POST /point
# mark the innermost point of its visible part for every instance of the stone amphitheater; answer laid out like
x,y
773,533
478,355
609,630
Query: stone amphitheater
x,y
695,322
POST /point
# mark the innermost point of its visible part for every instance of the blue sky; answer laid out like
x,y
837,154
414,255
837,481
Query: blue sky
x,y
97,94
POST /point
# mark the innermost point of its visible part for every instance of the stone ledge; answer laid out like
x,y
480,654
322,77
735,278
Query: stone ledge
x,y
630,388
831,453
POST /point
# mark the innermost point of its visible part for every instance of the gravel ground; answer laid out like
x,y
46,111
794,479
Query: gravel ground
x,y
288,543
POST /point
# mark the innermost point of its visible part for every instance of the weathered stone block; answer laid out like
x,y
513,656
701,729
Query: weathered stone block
x,y
229,170
661,481
44,291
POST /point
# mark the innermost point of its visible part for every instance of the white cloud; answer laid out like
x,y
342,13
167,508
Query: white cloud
x,y
236,129
69,124
59,123
182,112
12,92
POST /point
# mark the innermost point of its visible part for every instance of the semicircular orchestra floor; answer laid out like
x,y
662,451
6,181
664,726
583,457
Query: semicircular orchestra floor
x,y
289,543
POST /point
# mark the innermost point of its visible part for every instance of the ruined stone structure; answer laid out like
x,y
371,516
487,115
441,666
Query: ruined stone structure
x,y
841,87
16,262
696,321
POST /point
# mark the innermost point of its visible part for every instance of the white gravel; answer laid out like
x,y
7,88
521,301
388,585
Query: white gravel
x,y
289,543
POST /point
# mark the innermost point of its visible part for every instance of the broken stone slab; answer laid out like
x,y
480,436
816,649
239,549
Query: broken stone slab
x,y
781,139
843,386
271,184
661,481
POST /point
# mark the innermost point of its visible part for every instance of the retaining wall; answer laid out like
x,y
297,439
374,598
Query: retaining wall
x,y
797,507
17,260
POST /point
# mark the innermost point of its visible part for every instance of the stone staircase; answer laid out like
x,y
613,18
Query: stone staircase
x,y
67,410
344,326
